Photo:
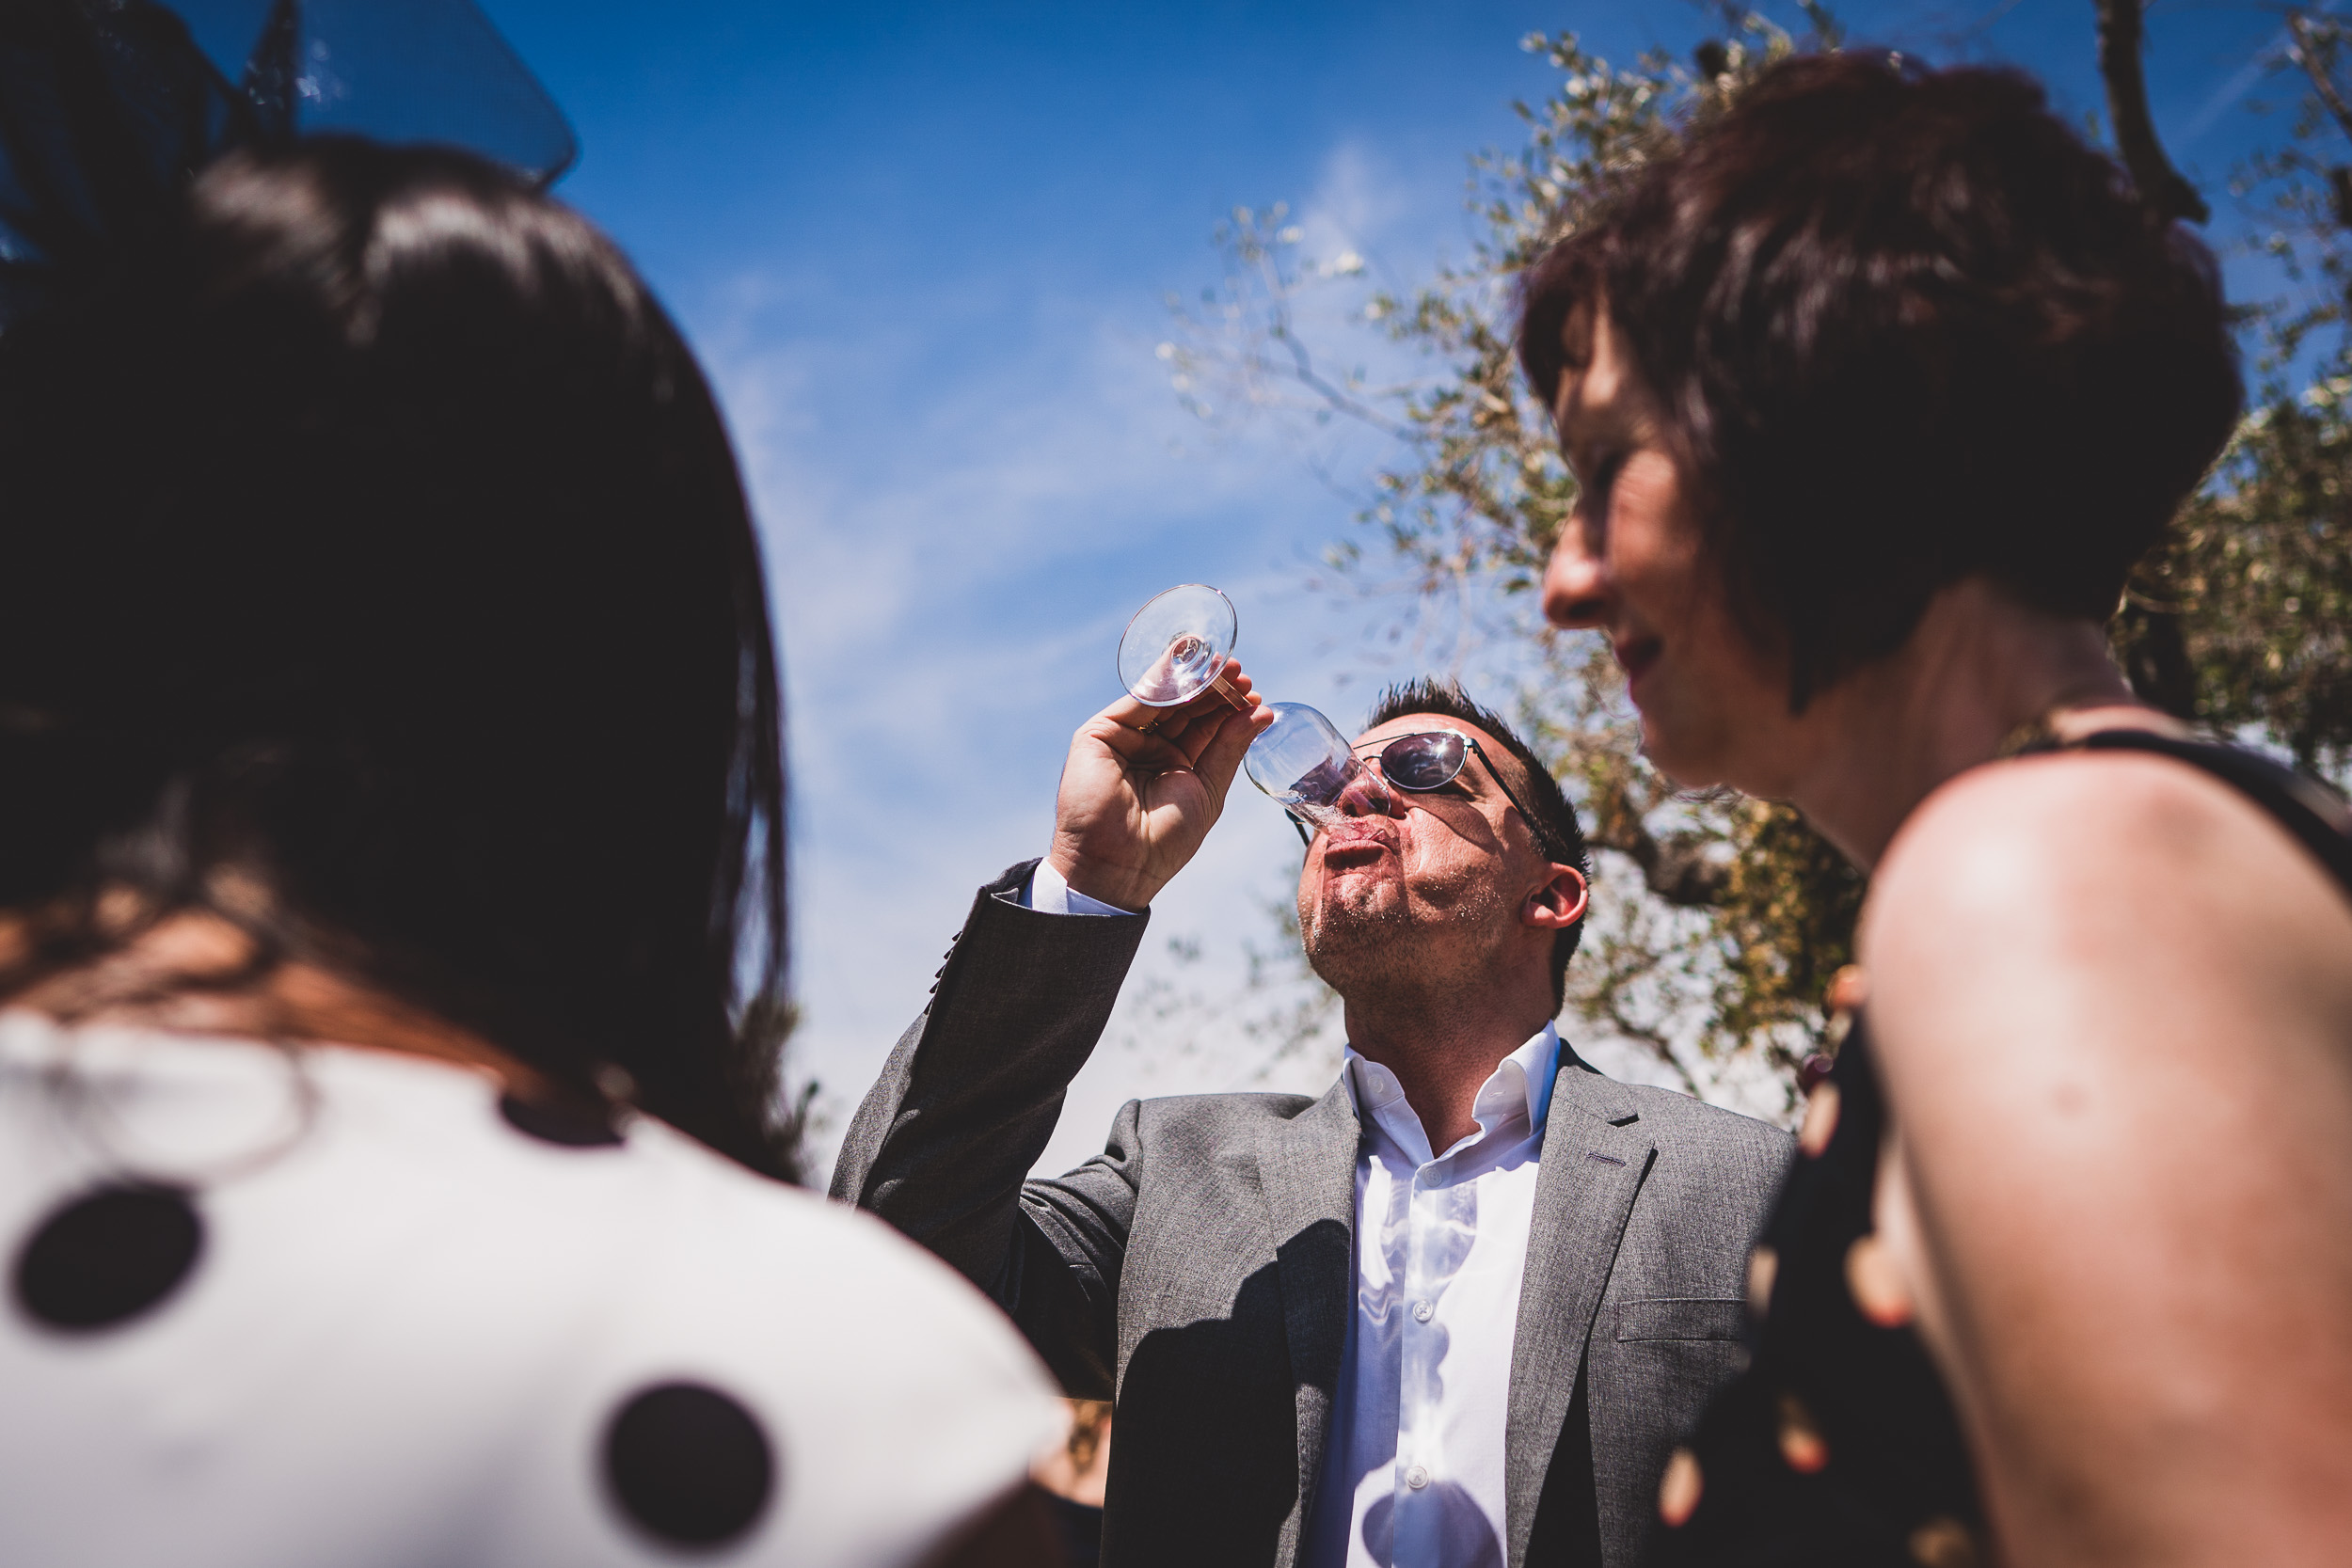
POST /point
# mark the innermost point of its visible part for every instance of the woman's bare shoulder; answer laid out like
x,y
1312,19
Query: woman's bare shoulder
x,y
2117,897
2039,844
2110,999
2033,825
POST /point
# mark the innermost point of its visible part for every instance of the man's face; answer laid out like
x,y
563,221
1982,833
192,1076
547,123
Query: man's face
x,y
1436,883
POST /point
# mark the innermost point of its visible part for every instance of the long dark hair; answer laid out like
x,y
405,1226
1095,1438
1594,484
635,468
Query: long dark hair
x,y
373,540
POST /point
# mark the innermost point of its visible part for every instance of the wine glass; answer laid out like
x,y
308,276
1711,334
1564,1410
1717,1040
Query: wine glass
x,y
1175,649
1177,645
1306,764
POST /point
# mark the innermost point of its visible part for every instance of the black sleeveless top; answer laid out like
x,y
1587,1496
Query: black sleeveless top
x,y
1840,1446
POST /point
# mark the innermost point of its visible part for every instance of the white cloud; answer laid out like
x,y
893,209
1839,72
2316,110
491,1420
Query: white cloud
x,y
950,594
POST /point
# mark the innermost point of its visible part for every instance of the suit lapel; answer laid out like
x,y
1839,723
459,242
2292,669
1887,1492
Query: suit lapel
x,y
1307,1169
1593,1158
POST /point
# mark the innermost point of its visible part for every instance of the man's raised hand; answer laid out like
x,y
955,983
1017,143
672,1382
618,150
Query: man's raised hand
x,y
1133,806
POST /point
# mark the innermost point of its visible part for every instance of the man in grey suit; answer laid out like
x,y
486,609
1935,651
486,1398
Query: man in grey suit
x,y
1457,1310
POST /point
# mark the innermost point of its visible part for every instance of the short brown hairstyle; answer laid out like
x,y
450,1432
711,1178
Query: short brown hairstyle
x,y
1905,328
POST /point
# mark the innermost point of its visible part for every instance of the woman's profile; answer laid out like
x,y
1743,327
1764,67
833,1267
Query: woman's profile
x,y
392,930
1875,392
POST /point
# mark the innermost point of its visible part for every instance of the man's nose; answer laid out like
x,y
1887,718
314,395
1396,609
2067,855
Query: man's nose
x,y
1367,794
1576,584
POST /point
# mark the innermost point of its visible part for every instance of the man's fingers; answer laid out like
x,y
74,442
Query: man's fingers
x,y
1232,741
1143,784
1214,700
1189,725
1133,745
1168,722
1208,715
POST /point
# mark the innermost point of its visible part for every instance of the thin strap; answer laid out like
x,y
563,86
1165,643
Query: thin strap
x,y
2315,815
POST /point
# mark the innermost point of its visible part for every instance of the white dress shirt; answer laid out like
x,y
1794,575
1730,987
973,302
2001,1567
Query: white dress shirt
x,y
1049,893
1413,1464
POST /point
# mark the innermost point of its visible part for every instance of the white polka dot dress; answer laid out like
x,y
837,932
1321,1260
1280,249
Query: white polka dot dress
x,y
344,1308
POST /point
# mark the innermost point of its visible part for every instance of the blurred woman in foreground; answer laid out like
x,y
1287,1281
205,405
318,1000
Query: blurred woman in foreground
x,y
392,932
1876,392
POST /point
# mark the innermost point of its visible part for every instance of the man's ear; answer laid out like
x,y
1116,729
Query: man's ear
x,y
1559,903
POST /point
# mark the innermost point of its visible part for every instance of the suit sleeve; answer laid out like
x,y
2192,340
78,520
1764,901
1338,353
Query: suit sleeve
x,y
965,1105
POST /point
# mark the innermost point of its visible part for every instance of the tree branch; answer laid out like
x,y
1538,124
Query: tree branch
x,y
2308,52
2159,667
1302,369
2159,183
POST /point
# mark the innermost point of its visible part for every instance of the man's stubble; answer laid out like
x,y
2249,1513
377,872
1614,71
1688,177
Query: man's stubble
x,y
1404,952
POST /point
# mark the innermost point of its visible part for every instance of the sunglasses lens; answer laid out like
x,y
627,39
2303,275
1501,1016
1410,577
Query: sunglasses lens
x,y
1423,761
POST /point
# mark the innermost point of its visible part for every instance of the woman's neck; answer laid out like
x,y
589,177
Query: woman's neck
x,y
1980,668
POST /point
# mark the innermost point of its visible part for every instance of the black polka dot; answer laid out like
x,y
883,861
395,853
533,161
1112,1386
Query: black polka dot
x,y
573,1123
107,1257
688,1464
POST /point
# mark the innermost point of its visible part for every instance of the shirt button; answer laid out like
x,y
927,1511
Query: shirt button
x,y
1424,1311
1416,1478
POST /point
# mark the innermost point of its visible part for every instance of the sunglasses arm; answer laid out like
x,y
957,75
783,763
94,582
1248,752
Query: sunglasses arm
x,y
1496,773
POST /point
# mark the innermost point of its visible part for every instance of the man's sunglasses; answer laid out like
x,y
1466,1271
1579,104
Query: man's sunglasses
x,y
1424,762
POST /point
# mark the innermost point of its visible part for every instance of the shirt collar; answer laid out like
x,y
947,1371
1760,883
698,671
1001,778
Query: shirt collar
x,y
1521,1086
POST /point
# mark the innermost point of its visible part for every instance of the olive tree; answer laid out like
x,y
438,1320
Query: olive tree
x,y
1720,919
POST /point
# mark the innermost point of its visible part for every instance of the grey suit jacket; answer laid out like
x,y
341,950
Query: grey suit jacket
x,y
1201,1268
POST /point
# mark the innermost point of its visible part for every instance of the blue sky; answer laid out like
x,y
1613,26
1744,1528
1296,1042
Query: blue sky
x,y
923,251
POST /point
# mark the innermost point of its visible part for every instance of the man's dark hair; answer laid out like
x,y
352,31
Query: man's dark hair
x,y
1558,837
1905,328
373,539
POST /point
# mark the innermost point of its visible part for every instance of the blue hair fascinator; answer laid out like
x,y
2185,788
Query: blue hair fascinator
x,y
109,107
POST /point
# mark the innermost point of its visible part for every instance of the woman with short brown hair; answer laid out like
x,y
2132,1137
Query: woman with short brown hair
x,y
1876,391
